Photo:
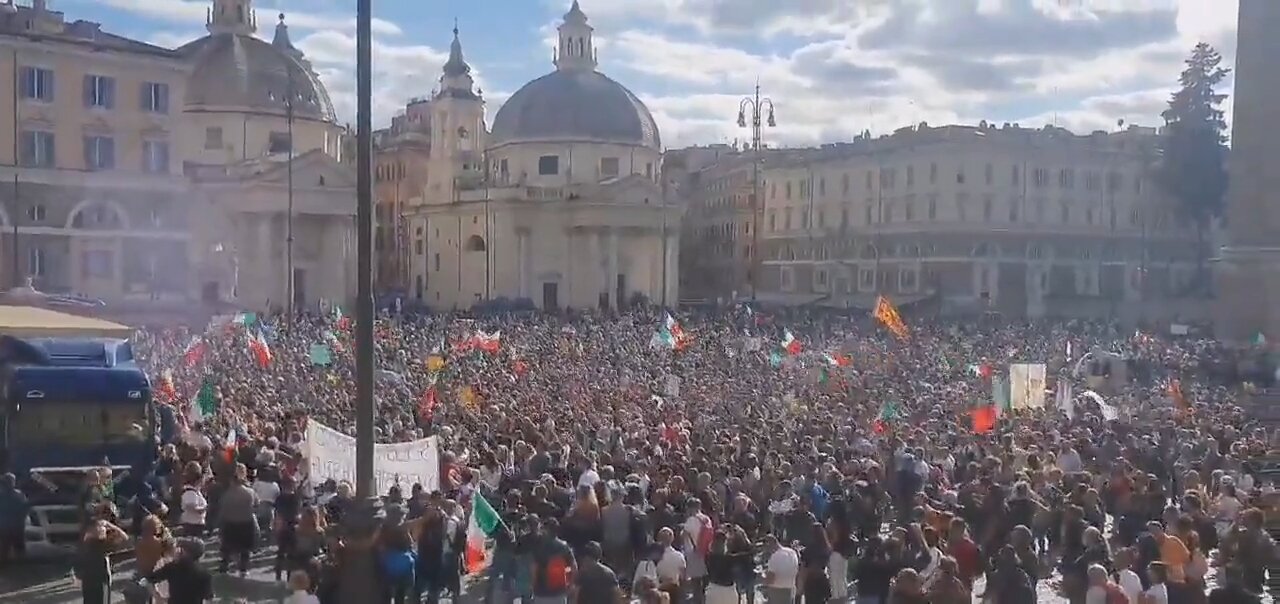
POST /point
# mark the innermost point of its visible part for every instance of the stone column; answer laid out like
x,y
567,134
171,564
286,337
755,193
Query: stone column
x,y
611,279
672,284
522,261
599,264
268,278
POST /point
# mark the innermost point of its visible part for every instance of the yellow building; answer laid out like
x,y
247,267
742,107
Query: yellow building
x,y
561,204
121,160
402,157
1027,222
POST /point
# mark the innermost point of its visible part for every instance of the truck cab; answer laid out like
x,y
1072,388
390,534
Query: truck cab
x,y
71,406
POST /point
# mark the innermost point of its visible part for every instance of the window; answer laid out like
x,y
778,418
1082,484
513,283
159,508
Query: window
x,y
1092,181
155,157
1013,209
866,279
37,84
960,175
213,138
988,208
788,191
911,175
907,279
37,149
648,170
36,213
99,153
787,276
868,180
96,264
933,174
35,262
1067,178
786,219
418,247
933,207
549,165
909,211
962,209
155,97
989,173
822,187
867,215
99,91
436,262
608,167
773,221
844,217
1041,177
822,218
279,142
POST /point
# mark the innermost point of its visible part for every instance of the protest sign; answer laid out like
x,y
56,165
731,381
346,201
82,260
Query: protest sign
x,y
332,454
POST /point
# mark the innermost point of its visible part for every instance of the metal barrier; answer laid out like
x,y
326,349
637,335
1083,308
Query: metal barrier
x,y
47,525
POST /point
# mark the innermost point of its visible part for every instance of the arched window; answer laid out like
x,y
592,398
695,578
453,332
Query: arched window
x,y
476,244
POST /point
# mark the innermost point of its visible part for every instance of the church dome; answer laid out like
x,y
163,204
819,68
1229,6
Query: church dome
x,y
575,102
571,104
240,71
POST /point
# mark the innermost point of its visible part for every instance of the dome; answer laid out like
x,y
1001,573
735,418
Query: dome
x,y
241,71
575,104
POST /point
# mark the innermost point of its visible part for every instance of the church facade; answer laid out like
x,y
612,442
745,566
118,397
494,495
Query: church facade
x,y
561,204
152,177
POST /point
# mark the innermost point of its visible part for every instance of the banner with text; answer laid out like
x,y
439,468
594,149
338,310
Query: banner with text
x,y
332,454
1026,385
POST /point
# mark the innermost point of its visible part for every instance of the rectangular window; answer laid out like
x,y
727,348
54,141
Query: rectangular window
x,y
37,149
36,213
911,175
99,153
99,91
933,174
213,138
786,219
608,167
279,142
155,157
35,262
990,174
549,165
436,262
37,84
648,170
155,97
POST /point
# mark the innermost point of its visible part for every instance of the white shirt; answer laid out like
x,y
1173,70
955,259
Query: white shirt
x,y
1131,584
1095,595
785,565
266,491
589,478
301,597
1159,594
194,506
691,529
671,566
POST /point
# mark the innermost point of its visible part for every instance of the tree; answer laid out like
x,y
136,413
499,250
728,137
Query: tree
x,y
1193,147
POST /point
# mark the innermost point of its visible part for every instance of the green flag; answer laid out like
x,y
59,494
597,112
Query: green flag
x,y
205,404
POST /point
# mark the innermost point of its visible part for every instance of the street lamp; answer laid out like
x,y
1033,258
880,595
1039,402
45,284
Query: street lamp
x,y
761,115
360,573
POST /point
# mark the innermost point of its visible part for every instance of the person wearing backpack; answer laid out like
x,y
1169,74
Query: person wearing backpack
x,y
697,534
554,567
397,560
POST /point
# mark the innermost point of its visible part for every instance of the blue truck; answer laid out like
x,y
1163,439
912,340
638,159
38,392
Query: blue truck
x,y
72,405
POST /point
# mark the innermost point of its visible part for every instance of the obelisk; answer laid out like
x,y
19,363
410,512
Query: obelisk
x,y
1247,269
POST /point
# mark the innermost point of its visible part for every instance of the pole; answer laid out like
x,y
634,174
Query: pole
x,y
288,240
664,249
13,218
360,571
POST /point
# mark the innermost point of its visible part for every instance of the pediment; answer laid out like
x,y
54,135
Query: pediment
x,y
310,170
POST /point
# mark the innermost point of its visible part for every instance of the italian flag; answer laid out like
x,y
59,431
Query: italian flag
x,y
790,344
483,524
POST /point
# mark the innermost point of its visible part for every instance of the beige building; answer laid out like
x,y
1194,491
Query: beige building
x,y
1026,222
561,204
141,172
1248,271
402,157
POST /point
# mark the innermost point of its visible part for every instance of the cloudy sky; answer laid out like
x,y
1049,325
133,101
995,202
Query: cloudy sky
x,y
832,67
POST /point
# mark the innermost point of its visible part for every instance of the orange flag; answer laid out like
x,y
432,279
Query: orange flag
x,y
984,419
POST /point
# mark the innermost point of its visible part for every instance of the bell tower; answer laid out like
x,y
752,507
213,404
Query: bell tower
x,y
231,17
576,50
457,124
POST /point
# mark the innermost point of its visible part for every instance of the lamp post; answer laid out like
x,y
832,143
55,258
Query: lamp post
x,y
360,571
761,115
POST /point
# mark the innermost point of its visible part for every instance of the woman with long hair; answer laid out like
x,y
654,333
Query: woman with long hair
x,y
815,584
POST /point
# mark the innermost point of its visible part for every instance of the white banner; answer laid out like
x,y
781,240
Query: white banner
x,y
332,454
1026,385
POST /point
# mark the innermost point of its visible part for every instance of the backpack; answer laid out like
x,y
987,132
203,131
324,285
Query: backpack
x,y
398,564
705,536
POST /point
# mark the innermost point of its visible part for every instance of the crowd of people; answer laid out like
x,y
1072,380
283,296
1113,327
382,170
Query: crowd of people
x,y
712,457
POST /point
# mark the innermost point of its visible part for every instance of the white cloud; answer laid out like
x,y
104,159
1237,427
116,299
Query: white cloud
x,y
189,12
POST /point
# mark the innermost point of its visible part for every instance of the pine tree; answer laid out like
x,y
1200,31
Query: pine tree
x,y
1193,147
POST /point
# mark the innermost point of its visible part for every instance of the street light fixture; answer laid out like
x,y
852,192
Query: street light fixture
x,y
761,114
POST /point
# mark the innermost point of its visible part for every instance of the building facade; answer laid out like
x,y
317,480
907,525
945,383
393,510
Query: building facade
x,y
1026,222
402,156
1248,269
122,158
562,204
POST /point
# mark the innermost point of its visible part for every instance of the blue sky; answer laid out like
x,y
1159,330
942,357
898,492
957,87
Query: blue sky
x,y
832,67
